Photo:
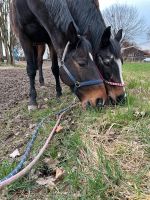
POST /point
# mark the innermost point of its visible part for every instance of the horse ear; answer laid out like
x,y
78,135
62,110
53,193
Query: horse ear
x,y
118,36
72,35
105,39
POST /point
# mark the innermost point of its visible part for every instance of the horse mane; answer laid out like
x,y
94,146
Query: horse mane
x,y
89,18
96,3
60,14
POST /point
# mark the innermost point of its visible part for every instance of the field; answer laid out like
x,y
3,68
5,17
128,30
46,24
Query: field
x,y
105,155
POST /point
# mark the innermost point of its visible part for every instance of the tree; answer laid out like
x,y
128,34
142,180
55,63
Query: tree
x,y
122,16
7,38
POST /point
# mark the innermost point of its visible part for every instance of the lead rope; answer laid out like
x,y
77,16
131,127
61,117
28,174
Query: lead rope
x,y
15,174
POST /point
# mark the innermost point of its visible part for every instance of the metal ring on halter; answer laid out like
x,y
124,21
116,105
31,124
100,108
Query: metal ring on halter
x,y
77,84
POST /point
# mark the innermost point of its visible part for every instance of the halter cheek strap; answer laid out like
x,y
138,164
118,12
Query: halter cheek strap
x,y
111,83
77,84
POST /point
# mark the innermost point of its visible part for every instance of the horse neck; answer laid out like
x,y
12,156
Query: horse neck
x,y
88,18
60,17
59,41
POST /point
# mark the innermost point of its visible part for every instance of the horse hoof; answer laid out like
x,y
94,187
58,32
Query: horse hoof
x,y
32,107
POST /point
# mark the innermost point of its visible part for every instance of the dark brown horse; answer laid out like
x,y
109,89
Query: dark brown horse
x,y
50,22
106,51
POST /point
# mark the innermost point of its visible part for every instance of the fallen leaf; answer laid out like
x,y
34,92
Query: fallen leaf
x,y
48,182
15,154
44,106
51,163
17,133
59,173
59,129
42,181
51,186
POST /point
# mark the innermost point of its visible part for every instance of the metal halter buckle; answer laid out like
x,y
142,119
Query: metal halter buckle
x,y
77,84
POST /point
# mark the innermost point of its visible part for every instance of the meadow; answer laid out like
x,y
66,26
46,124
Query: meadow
x,y
104,154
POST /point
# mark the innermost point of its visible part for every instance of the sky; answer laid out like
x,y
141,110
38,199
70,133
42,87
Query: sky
x,y
144,9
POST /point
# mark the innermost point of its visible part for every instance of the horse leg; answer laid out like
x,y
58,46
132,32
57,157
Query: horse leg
x,y
55,70
40,53
30,55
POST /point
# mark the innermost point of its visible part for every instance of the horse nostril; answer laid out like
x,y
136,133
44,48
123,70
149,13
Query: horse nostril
x,y
99,103
111,101
121,99
88,105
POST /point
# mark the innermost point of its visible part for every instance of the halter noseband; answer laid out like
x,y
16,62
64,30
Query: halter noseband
x,y
112,83
76,84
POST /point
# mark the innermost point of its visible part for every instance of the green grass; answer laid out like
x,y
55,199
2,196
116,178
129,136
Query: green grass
x,y
105,154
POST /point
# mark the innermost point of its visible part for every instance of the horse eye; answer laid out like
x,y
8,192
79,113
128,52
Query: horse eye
x,y
82,63
107,61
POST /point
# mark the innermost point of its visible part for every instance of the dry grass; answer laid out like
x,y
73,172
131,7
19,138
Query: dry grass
x,y
105,154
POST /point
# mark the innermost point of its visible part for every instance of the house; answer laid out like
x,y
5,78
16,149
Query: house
x,y
132,53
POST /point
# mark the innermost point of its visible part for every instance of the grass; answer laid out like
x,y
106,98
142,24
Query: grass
x,y
105,154
20,64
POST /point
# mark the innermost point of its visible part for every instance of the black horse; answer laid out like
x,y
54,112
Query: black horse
x,y
106,51
50,22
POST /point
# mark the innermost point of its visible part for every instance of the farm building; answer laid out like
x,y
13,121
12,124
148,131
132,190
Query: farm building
x,y
134,53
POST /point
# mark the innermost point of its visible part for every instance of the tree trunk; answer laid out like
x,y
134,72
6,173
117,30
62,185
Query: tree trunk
x,y
1,52
6,34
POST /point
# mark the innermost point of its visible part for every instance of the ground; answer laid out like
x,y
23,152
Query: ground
x,y
105,155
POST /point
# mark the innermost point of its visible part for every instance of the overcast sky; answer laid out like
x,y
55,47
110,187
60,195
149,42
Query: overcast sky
x,y
144,9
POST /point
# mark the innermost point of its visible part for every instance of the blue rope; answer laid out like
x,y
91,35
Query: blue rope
x,y
29,146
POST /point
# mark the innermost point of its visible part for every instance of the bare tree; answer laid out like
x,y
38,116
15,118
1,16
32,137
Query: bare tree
x,y
7,38
122,16
1,48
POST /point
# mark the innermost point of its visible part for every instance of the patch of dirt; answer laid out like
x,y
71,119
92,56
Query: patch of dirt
x,y
14,88
14,85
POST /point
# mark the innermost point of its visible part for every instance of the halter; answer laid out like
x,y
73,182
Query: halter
x,y
76,84
114,84
111,83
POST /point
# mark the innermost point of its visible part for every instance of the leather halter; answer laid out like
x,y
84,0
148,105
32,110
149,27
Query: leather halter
x,y
112,83
77,84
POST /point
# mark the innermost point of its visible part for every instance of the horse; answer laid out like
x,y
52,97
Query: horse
x,y
106,50
50,22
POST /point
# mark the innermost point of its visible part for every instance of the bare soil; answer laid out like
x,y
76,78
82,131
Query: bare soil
x,y
14,85
15,126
